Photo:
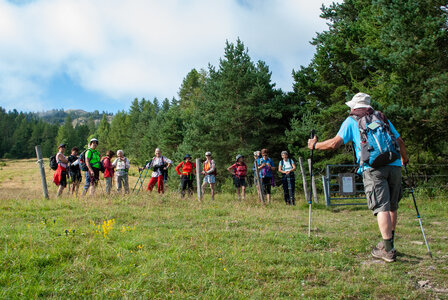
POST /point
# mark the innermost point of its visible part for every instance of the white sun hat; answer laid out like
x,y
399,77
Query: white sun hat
x,y
359,100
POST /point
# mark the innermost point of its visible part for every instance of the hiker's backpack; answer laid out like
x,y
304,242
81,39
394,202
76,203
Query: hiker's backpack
x,y
160,167
101,163
164,172
53,162
379,146
282,163
82,161
241,170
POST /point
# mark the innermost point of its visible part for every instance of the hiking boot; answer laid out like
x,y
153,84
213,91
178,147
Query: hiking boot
x,y
384,255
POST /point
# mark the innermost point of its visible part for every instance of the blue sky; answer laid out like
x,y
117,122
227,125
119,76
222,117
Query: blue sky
x,y
101,54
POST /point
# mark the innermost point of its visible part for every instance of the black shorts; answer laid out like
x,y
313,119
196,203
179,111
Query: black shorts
x,y
239,181
63,181
267,183
75,176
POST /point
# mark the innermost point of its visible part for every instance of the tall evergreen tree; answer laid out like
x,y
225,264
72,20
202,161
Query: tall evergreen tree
x,y
102,134
66,134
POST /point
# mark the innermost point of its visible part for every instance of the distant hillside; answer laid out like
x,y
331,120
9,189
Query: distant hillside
x,y
79,116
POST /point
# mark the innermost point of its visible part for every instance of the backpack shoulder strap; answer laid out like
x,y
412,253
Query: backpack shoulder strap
x,y
380,116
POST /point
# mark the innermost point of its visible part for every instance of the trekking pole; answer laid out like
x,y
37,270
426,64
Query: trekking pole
x,y
411,189
291,196
311,179
68,175
140,175
144,177
143,180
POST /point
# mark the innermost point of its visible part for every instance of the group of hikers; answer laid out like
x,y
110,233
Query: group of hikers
x,y
92,163
380,153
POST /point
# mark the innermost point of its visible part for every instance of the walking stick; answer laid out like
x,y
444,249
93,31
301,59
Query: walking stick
x,y
291,196
259,182
68,175
411,189
311,179
143,180
140,175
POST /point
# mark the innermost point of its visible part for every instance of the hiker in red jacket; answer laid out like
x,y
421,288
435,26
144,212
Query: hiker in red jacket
x,y
186,175
239,171
59,177
108,170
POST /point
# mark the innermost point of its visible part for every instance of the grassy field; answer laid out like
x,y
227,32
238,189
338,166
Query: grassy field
x,y
151,246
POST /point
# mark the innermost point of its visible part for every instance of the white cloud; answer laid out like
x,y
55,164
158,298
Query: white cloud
x,y
140,48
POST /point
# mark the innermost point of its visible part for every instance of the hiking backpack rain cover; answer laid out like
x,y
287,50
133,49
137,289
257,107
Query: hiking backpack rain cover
x,y
379,146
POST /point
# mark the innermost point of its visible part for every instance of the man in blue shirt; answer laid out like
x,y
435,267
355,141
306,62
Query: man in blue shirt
x,y
383,184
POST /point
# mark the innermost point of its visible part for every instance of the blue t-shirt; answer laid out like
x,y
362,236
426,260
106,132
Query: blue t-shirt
x,y
268,171
349,132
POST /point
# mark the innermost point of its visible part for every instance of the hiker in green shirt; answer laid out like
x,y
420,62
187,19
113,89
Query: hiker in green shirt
x,y
93,164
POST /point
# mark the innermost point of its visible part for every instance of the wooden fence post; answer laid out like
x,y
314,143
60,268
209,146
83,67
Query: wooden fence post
x,y
259,182
198,177
42,170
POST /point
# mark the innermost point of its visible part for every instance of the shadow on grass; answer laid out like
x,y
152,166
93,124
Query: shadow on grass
x,y
409,259
347,208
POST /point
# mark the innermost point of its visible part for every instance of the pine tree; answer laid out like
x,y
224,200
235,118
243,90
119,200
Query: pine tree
x,y
102,134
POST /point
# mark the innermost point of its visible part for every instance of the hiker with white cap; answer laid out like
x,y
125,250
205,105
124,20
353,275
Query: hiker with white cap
x,y
379,149
209,172
93,161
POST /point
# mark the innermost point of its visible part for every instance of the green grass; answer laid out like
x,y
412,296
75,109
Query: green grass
x,y
173,248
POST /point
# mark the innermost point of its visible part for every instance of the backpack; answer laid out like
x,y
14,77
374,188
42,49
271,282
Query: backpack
x,y
53,162
282,162
164,172
241,170
102,168
379,147
82,161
